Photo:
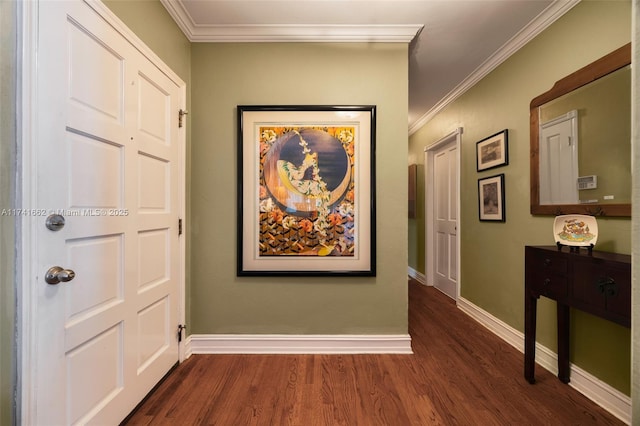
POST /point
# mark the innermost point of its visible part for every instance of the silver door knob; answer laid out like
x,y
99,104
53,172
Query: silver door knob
x,y
56,275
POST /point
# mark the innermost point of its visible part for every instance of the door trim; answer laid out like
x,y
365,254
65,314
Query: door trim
x,y
26,157
429,155
27,275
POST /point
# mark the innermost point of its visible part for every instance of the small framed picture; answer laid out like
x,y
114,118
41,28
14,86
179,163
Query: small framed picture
x,y
493,151
491,198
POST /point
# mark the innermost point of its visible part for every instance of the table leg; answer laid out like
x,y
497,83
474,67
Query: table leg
x,y
530,304
563,342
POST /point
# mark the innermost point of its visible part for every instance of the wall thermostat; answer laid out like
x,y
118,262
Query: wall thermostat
x,y
588,182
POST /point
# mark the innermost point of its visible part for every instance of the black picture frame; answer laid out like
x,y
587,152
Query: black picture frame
x,y
493,151
491,202
306,190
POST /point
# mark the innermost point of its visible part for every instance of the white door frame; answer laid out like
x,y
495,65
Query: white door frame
x,y
429,179
26,274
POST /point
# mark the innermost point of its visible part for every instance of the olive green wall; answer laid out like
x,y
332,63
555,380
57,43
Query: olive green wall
x,y
7,223
492,254
227,75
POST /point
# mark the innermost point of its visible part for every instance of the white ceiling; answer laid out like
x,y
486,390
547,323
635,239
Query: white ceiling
x,y
453,43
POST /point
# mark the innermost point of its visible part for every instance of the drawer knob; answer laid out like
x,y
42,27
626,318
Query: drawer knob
x,y
547,262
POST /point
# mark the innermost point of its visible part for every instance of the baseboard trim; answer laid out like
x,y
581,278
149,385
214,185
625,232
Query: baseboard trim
x,y
587,384
417,275
298,344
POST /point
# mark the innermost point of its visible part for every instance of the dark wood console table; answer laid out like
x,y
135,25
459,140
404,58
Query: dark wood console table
x,y
598,283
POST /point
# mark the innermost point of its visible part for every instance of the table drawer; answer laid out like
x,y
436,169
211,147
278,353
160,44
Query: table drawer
x,y
606,289
549,263
552,286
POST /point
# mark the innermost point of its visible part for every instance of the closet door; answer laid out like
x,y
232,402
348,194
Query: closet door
x,y
109,164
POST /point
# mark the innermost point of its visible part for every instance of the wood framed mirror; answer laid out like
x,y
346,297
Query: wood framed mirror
x,y
581,141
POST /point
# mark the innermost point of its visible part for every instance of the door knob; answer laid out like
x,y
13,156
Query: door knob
x,y
55,222
56,274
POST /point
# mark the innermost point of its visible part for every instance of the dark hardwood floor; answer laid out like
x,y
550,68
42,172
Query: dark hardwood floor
x,y
459,374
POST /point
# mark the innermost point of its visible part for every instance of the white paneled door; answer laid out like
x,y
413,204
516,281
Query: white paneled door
x,y
444,248
109,160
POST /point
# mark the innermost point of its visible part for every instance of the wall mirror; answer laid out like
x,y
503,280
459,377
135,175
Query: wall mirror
x,y
581,141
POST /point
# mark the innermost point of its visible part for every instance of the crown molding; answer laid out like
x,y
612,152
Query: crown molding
x,y
288,33
535,27
180,16
306,33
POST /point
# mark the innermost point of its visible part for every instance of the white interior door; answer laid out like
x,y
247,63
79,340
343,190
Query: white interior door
x,y
442,248
559,160
446,199
108,161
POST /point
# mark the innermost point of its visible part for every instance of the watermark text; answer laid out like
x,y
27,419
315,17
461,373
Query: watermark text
x,y
64,212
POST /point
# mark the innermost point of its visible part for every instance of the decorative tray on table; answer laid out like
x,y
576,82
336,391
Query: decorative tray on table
x,y
575,230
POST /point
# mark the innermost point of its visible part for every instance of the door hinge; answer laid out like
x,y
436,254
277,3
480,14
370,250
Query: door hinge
x,y
181,328
181,115
179,226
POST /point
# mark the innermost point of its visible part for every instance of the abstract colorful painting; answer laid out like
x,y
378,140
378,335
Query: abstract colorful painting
x,y
306,193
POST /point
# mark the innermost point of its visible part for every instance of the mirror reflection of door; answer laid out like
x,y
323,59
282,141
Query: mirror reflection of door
x,y
559,160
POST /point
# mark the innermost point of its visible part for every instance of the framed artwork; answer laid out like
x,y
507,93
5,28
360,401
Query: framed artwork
x,y
493,151
413,185
306,190
491,198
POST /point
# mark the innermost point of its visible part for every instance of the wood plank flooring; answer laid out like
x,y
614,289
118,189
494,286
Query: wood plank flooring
x,y
459,374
